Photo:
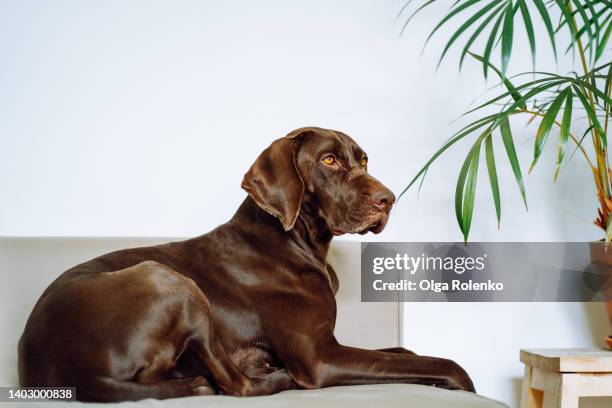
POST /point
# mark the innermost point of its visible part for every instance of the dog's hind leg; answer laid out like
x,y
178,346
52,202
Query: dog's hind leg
x,y
221,370
226,376
232,381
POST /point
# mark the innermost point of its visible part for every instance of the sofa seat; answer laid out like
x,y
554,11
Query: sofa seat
x,y
356,396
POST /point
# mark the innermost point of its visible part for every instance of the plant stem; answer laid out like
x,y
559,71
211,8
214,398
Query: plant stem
x,y
600,153
607,114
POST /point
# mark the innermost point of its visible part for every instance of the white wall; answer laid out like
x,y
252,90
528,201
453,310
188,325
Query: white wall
x,y
139,119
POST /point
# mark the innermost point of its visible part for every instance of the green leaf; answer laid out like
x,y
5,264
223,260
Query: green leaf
x,y
450,15
580,10
522,100
547,23
466,189
603,42
599,24
593,83
529,30
594,19
477,32
591,87
591,6
414,13
565,130
490,159
477,124
506,133
506,36
607,88
569,20
601,67
526,97
470,194
490,42
546,125
599,15
592,116
511,88
459,190
549,83
404,7
586,132
467,25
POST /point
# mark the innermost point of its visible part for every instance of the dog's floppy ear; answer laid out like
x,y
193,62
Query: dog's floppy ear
x,y
274,181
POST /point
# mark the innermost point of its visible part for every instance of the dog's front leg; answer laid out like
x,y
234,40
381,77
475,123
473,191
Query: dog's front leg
x,y
337,365
306,346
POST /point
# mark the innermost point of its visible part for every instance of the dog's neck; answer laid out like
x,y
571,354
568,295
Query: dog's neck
x,y
312,228
309,232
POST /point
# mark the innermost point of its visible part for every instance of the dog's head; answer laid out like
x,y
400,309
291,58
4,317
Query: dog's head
x,y
327,170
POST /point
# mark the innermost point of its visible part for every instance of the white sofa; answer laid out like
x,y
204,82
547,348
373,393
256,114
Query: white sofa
x,y
28,265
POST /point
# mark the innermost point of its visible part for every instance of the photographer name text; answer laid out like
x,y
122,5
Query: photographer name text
x,y
433,286
423,263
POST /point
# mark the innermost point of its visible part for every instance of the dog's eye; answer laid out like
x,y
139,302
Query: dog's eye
x,y
363,161
329,160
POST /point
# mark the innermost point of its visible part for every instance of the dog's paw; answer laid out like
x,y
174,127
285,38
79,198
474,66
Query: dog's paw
x,y
201,386
271,383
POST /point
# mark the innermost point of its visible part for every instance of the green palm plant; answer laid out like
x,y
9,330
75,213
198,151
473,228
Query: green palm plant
x,y
555,99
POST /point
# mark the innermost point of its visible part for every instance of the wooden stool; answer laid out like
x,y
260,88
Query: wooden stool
x,y
557,378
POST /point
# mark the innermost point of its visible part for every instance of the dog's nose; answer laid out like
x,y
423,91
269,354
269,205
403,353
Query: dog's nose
x,y
383,199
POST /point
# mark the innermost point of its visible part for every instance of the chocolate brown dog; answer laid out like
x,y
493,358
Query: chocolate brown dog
x,y
247,309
